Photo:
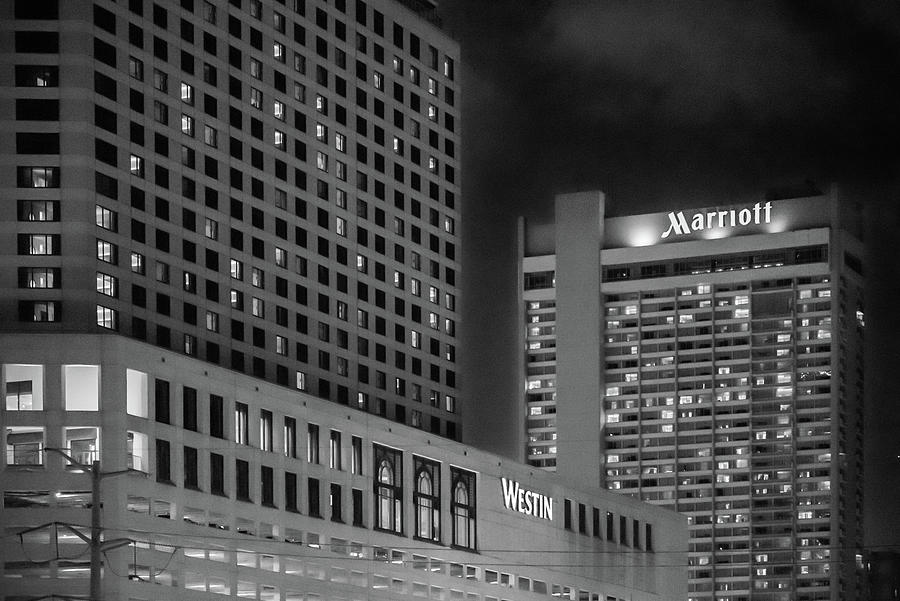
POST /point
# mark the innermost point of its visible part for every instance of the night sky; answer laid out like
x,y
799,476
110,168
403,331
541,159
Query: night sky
x,y
666,105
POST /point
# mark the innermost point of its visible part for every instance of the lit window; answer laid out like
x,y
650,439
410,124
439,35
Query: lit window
x,y
106,251
278,110
322,161
237,269
432,112
280,140
256,98
257,278
280,257
212,321
299,63
187,93
255,69
107,318
340,226
107,284
340,142
321,104
187,125
137,263
278,51
211,229
210,136
415,339
432,86
377,80
299,92
136,165
414,74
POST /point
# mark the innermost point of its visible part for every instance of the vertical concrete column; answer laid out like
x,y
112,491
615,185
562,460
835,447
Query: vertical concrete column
x,y
579,319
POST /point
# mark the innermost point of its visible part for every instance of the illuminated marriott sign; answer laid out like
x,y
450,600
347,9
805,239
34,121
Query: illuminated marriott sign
x,y
525,501
678,223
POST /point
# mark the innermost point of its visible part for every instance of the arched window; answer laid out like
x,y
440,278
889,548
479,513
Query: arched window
x,y
388,490
462,509
426,498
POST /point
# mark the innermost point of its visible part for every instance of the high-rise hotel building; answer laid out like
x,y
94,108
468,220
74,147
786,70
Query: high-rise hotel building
x,y
709,360
267,186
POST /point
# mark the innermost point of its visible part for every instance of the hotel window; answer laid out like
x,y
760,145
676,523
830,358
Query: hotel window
x,y
278,52
160,81
82,444
340,226
340,142
462,508
241,423
210,136
322,161
312,443
242,480
237,269
38,177
335,501
281,345
39,277
427,499
24,445
163,461
212,321
301,380
107,317
321,104
38,210
39,244
334,450
187,125
356,459
432,112
290,437
24,387
265,430
162,272
107,284
388,489
258,307
136,68
106,218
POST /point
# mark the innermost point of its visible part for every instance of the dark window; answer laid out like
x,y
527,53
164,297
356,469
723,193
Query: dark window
x,y
190,468
217,474
216,416
40,109
38,76
312,490
162,402
242,480
37,143
335,501
290,492
267,486
42,42
189,407
163,461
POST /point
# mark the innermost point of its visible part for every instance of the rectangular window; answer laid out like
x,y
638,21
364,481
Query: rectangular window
x,y
189,408
266,486
290,437
163,461
312,495
191,473
334,450
290,492
242,479
107,318
335,502
241,424
265,430
38,177
312,443
216,474
162,402
357,499
356,459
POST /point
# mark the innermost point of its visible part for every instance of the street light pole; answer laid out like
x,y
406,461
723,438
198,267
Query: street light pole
x,y
95,543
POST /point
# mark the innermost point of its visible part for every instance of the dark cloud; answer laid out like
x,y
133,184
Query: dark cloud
x,y
664,103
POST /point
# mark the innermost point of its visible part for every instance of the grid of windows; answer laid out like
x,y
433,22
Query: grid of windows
x,y
220,167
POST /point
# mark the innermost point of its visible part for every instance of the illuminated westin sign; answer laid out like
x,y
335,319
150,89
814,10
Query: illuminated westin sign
x,y
525,501
679,225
